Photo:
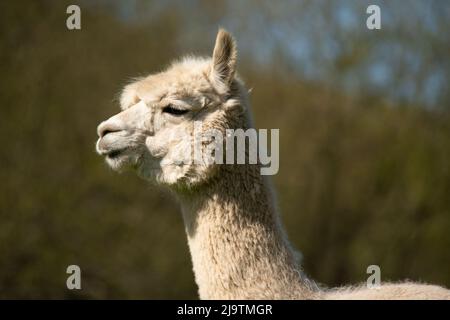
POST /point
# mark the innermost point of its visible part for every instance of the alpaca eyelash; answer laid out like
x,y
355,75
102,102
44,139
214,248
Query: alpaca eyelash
x,y
174,111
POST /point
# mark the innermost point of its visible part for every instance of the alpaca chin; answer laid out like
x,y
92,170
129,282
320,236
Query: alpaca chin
x,y
120,163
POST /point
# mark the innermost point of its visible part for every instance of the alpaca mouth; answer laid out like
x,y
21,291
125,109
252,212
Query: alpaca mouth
x,y
114,153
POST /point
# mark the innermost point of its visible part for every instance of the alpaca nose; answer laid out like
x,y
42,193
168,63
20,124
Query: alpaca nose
x,y
108,127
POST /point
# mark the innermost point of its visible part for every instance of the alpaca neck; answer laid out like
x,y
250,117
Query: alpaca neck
x,y
238,248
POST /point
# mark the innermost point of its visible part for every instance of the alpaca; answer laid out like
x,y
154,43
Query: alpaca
x,y
237,243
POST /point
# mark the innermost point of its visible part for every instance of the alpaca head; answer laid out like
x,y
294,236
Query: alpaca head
x,y
154,132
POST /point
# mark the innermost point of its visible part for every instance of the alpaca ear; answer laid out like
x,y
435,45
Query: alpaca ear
x,y
223,59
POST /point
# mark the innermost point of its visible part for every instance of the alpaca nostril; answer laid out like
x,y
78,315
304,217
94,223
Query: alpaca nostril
x,y
106,128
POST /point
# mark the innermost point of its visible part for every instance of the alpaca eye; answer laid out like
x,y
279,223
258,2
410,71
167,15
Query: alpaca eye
x,y
174,111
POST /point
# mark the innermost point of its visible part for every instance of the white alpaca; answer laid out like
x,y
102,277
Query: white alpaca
x,y
238,247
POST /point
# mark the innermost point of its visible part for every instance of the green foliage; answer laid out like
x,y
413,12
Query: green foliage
x,y
361,182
